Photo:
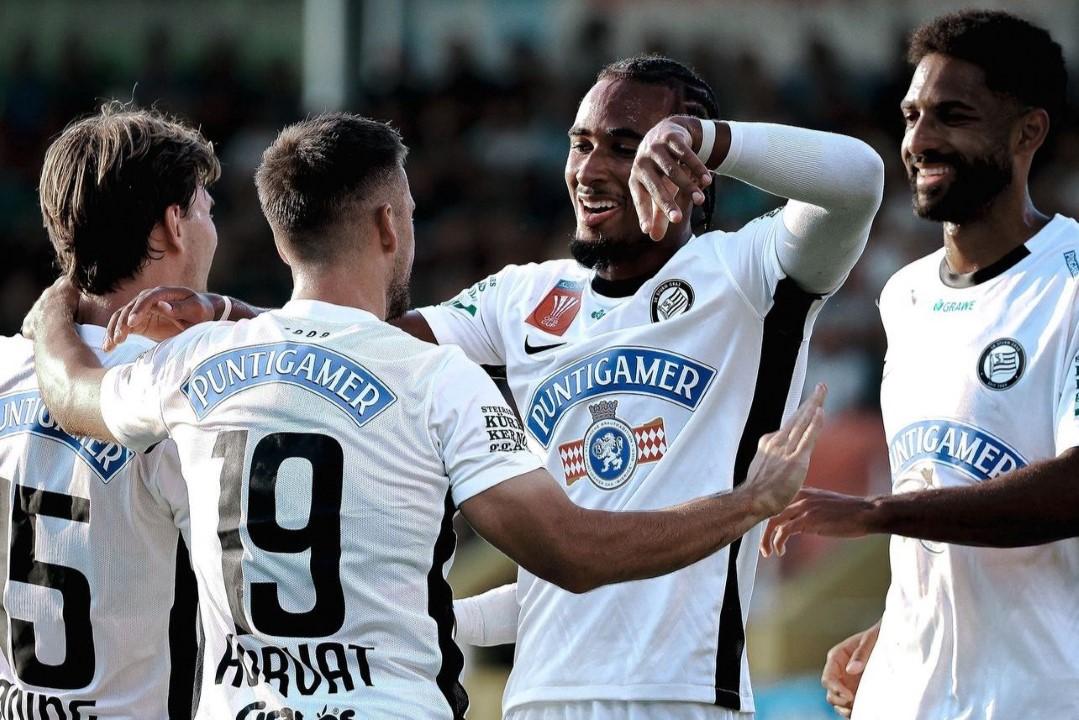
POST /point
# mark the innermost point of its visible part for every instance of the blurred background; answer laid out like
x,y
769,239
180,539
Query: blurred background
x,y
483,92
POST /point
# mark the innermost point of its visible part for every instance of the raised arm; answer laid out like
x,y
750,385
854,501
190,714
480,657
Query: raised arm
x,y
1030,506
531,519
834,183
68,372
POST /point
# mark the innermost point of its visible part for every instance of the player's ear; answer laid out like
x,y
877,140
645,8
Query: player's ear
x,y
387,233
281,252
167,235
1031,130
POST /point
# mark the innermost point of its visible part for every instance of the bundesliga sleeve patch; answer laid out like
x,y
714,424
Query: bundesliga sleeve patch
x,y
558,308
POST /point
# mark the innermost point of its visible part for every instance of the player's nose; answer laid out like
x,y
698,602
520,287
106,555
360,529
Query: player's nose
x,y
923,135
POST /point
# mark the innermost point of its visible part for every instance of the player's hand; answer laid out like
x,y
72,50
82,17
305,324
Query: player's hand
x,y
159,314
819,512
843,669
61,297
667,176
779,468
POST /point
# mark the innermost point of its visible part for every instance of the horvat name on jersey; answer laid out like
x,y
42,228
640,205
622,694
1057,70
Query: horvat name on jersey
x,y
335,377
635,370
23,412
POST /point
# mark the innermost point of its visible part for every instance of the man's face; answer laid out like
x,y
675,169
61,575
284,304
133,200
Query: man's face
x,y
198,226
611,120
956,148
398,299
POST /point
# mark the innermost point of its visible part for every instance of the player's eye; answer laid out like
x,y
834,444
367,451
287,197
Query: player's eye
x,y
626,150
580,146
910,117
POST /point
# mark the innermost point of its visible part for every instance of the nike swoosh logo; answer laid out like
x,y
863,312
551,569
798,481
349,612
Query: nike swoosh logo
x,y
533,349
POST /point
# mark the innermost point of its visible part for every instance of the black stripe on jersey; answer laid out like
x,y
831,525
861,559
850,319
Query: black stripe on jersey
x,y
966,280
440,607
183,644
784,325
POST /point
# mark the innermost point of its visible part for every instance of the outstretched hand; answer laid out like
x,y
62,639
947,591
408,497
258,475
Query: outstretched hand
x,y
820,512
159,314
667,176
61,296
843,669
779,468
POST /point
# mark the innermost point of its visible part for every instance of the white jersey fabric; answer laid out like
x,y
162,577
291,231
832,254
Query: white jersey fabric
x,y
325,452
980,380
638,403
89,538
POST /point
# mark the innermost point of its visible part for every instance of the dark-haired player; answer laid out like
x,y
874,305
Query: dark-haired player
x,y
325,453
644,356
981,405
645,370
89,530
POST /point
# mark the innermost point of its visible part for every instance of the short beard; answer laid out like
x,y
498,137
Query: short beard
x,y
398,299
602,253
977,183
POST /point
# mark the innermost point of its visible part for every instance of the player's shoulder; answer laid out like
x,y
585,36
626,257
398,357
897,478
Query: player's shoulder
x,y
522,277
16,360
912,276
1058,244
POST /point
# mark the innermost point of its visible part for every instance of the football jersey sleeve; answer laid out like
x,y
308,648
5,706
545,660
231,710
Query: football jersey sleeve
x,y
750,256
479,438
469,320
132,394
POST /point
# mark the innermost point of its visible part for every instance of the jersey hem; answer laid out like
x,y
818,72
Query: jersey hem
x,y
705,694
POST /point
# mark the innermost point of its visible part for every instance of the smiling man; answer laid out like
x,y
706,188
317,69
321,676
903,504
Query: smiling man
x,y
659,346
980,398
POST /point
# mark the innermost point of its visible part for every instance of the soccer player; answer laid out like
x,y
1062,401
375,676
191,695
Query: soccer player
x,y
981,405
90,530
325,453
652,351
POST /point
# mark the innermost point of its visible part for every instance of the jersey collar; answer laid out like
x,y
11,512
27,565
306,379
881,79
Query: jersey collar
x,y
327,312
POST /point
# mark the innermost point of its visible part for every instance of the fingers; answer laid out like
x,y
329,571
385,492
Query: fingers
x,y
794,428
809,437
784,532
860,656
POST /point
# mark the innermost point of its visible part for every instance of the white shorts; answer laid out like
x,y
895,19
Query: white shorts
x,y
622,710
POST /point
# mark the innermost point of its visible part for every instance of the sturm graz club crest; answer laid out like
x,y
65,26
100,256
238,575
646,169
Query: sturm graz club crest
x,y
671,299
611,450
1001,364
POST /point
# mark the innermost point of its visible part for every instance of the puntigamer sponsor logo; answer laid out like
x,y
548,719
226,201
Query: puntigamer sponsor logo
x,y
975,452
633,370
345,383
25,413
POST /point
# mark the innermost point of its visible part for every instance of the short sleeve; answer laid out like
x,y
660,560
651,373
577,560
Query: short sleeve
x,y
751,257
132,394
1067,406
164,480
470,320
480,439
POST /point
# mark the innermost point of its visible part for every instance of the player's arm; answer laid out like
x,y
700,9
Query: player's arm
x,y
1029,506
835,185
68,372
489,618
530,518
413,323
163,312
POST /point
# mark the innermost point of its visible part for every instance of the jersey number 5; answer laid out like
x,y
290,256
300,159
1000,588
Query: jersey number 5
x,y
321,535
77,669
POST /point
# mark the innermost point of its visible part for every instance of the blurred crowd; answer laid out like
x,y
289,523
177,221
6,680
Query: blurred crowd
x,y
488,146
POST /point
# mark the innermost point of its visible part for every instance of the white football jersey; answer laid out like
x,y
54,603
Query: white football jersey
x,y
640,402
979,380
89,555
325,453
